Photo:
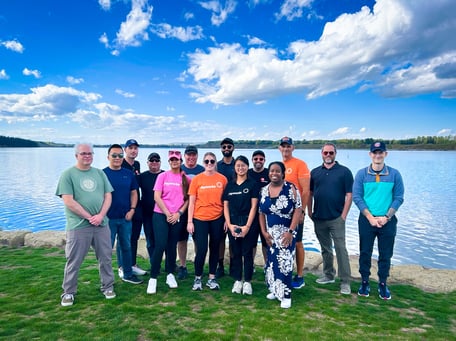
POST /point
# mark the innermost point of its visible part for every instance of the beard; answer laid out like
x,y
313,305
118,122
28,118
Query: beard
x,y
227,153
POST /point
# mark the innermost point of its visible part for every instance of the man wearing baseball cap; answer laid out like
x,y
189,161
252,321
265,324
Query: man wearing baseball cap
x,y
297,173
191,168
378,191
131,150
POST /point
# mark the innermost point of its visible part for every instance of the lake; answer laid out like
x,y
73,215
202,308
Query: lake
x,y
426,236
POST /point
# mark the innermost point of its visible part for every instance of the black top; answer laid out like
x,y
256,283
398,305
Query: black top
x,y
147,183
329,187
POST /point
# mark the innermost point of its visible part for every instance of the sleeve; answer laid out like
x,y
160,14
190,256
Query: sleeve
x,y
358,190
159,182
398,191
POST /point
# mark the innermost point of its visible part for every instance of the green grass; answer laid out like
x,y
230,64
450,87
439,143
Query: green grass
x,y
30,288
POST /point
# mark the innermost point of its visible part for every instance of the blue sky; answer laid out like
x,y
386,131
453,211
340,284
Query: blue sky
x,y
184,71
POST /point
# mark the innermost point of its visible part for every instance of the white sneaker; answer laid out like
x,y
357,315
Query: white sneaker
x,y
137,271
247,288
171,281
237,287
152,286
109,294
286,303
120,272
271,296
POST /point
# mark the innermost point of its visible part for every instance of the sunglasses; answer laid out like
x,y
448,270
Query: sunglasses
x,y
227,146
258,159
328,153
115,156
209,161
154,160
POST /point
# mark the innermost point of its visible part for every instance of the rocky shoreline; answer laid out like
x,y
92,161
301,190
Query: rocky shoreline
x,y
429,280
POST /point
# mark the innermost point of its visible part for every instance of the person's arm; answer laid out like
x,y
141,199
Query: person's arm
x,y
347,205
310,205
191,211
304,183
252,213
75,207
266,235
226,214
133,203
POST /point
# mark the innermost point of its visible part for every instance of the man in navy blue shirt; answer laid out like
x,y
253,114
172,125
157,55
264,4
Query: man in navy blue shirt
x,y
331,190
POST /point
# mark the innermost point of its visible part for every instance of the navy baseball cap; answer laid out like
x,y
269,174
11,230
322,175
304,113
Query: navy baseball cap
x,y
131,142
379,145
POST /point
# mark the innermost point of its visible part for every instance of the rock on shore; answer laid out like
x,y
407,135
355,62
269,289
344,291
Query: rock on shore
x,y
429,280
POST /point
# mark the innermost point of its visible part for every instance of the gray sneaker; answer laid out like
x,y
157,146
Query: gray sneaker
x,y
109,294
197,285
212,284
325,280
345,289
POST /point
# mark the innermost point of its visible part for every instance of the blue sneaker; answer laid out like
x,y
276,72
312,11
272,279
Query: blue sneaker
x,y
383,291
298,282
364,289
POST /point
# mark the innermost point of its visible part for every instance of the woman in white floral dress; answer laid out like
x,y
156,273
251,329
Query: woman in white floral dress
x,y
280,206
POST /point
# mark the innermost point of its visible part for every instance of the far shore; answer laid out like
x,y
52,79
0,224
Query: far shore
x,y
429,280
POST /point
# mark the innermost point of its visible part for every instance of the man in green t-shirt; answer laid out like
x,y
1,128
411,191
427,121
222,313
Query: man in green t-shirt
x,y
86,194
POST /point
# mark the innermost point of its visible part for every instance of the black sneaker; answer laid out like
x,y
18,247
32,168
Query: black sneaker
x,y
182,273
132,279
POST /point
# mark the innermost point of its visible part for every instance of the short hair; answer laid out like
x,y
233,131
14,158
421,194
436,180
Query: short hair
x,y
77,145
281,165
329,144
115,145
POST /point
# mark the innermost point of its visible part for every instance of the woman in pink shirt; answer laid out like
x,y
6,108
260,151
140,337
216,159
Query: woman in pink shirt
x,y
171,200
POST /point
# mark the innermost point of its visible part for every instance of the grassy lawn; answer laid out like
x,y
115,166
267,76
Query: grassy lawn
x,y
30,288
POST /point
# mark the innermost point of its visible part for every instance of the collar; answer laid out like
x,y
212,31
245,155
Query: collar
x,y
384,171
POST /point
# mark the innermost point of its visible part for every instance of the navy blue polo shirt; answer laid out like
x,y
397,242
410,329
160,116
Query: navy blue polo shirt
x,y
329,187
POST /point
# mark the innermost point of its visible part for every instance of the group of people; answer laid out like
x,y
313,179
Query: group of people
x,y
226,199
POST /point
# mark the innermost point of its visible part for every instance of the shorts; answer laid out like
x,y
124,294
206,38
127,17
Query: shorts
x,y
299,232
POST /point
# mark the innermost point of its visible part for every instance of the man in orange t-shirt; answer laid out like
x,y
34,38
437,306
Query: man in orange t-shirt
x,y
297,173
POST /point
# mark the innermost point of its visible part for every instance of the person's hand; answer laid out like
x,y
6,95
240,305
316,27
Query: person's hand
x,y
190,227
268,239
96,220
287,239
129,215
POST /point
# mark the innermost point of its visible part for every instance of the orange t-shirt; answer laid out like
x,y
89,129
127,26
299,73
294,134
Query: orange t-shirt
x,y
208,190
296,169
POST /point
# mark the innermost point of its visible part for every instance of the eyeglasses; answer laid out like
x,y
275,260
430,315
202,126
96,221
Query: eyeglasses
x,y
115,156
328,153
258,159
227,146
154,160
209,161
86,153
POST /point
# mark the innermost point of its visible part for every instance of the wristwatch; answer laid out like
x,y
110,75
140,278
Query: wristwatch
x,y
290,231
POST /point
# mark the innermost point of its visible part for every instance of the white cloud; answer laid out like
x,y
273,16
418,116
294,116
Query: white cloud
x,y
444,132
34,73
219,11
182,33
124,93
255,41
105,4
340,131
3,74
43,103
104,40
13,45
292,9
72,80
133,31
401,48
363,130
188,16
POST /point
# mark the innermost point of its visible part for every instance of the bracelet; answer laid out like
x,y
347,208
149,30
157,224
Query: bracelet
x,y
132,208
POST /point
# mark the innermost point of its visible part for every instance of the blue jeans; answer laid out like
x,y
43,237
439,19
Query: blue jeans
x,y
122,229
385,240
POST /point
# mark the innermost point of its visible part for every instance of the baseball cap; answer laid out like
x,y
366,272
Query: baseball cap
x,y
379,145
258,152
174,153
286,140
131,142
227,140
191,150
153,156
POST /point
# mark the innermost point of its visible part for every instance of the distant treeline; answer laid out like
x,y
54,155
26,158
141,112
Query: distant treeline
x,y
417,143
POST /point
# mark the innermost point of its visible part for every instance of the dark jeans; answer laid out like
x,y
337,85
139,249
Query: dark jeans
x,y
385,240
122,229
136,226
149,233
204,229
242,258
166,236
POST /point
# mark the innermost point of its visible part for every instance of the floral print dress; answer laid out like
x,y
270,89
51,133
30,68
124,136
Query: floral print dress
x,y
278,212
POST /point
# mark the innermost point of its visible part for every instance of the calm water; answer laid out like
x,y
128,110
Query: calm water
x,y
28,179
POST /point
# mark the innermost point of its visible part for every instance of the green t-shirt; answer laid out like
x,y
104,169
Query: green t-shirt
x,y
88,188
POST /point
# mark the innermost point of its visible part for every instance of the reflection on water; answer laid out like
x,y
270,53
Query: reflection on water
x,y
28,179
